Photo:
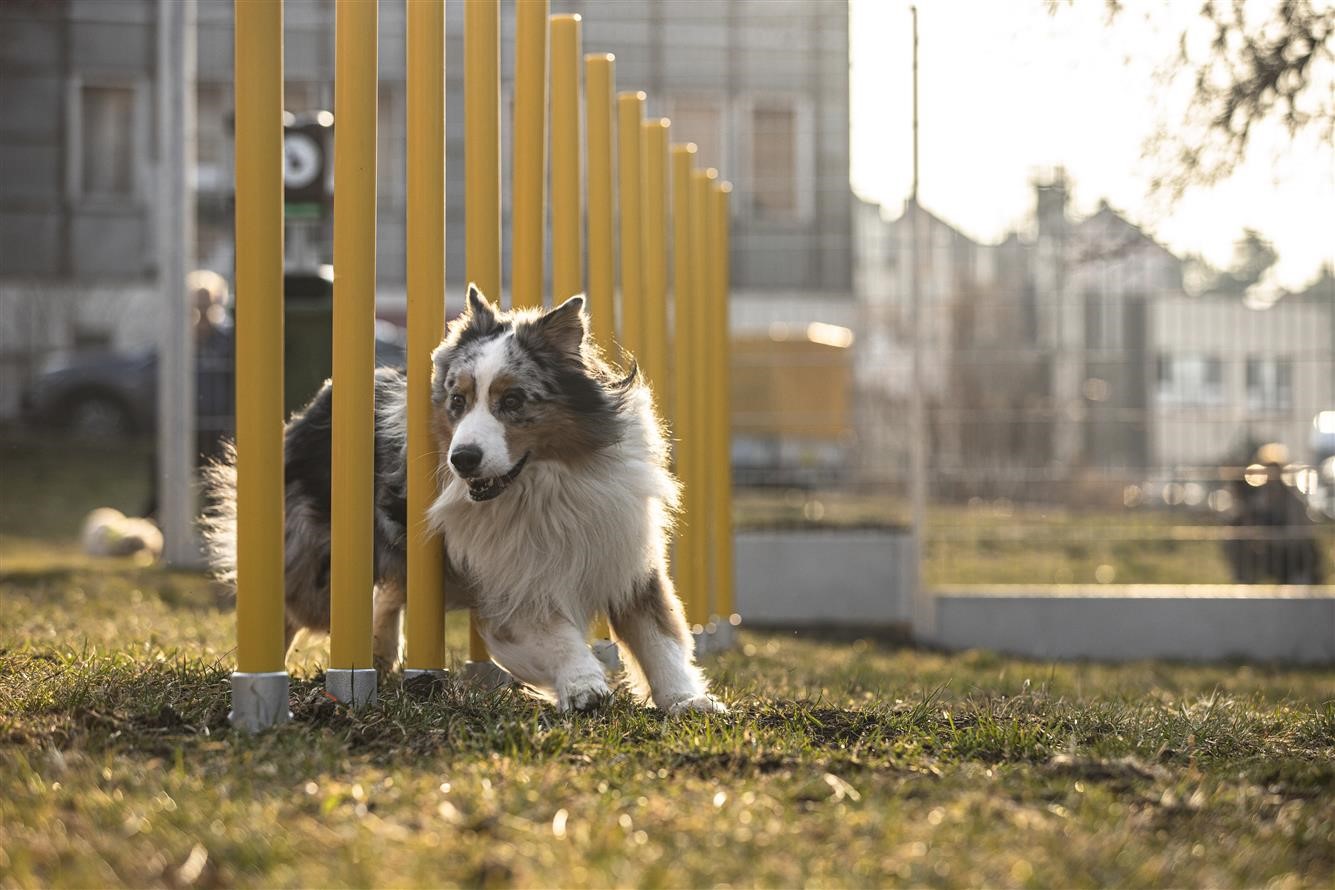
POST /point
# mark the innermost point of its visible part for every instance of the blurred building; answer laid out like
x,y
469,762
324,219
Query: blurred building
x,y
762,88
1074,353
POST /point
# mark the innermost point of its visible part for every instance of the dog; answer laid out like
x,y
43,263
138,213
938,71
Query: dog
x,y
109,532
555,505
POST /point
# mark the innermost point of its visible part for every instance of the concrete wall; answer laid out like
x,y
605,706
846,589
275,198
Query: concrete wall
x,y
1198,623
861,581
852,578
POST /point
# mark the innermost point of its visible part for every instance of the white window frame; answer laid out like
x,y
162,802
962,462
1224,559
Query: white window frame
x,y
139,143
1199,395
804,152
1269,373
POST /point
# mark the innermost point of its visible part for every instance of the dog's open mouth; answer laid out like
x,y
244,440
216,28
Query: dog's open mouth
x,y
492,486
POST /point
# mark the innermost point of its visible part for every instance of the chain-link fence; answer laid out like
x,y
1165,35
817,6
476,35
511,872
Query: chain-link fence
x,y
1096,410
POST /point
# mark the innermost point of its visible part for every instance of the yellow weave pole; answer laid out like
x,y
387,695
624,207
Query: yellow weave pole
x,y
599,77
685,419
425,618
353,436
528,194
482,172
701,185
721,411
630,116
653,352
709,391
567,246
257,702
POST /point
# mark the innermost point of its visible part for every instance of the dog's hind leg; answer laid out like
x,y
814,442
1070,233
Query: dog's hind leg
x,y
651,624
387,624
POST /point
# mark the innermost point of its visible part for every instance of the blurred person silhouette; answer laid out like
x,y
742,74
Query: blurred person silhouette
x,y
208,294
214,354
1277,543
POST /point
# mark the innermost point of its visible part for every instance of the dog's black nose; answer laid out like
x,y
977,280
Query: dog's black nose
x,y
466,459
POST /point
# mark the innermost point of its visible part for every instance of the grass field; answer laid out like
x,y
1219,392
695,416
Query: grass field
x,y
841,764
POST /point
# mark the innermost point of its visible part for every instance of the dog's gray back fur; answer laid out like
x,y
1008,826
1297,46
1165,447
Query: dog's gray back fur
x,y
306,465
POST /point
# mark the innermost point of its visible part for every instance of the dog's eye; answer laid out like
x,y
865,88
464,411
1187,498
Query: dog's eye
x,y
457,402
512,400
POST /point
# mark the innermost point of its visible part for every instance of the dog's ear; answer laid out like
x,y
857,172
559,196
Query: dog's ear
x,y
481,313
564,328
440,370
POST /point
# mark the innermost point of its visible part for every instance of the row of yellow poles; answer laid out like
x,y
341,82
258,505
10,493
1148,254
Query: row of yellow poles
x,y
687,366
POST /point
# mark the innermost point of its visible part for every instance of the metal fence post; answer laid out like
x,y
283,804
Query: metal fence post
x,y
720,403
177,444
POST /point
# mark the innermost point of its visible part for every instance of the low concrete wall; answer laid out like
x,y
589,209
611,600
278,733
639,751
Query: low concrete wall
x,y
1295,624
827,578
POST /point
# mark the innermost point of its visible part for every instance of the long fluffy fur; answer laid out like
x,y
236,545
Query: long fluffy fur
x,y
584,528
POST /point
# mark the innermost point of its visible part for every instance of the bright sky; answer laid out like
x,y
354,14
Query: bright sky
x,y
1008,91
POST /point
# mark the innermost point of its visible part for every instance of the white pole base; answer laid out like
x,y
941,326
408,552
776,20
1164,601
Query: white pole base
x,y
259,700
354,687
608,653
487,675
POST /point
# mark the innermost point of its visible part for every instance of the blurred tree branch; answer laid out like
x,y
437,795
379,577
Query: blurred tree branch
x,y
1251,62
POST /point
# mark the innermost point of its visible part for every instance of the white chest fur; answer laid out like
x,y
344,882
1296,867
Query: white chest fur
x,y
561,540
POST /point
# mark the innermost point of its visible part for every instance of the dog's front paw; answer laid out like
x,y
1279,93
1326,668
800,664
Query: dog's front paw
x,y
698,704
583,694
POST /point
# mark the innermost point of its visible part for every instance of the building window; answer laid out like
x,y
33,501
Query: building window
x,y
106,126
699,119
1269,385
774,168
1190,380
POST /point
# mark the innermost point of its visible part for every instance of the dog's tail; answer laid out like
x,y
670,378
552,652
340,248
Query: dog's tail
x,y
218,522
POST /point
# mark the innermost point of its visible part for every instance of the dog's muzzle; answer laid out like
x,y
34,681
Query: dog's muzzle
x,y
486,489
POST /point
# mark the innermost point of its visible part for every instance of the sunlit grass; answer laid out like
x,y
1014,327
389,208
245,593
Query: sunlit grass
x,y
840,764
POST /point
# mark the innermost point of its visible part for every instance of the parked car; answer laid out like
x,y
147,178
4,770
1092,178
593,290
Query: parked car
x,y
109,395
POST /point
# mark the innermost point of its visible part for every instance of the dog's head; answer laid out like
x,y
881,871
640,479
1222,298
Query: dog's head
x,y
512,387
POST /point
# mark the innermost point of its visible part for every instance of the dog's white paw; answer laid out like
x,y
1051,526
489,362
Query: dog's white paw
x,y
583,694
698,704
